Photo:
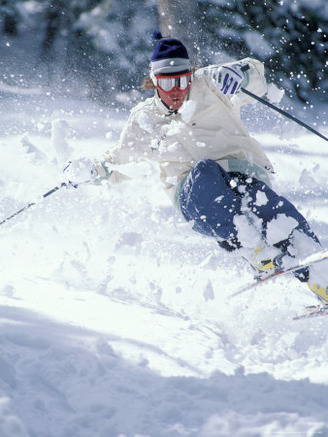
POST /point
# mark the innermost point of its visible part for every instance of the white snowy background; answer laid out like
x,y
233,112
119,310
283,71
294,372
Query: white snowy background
x,y
116,318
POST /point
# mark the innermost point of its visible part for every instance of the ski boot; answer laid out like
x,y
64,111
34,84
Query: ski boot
x,y
266,260
317,281
272,259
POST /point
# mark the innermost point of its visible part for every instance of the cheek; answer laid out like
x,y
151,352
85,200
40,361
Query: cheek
x,y
165,97
184,94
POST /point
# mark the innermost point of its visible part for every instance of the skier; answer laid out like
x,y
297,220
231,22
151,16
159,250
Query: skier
x,y
216,174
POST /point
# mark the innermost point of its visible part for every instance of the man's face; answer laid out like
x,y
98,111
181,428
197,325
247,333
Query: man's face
x,y
173,89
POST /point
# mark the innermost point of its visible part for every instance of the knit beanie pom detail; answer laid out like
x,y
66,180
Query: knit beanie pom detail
x,y
156,35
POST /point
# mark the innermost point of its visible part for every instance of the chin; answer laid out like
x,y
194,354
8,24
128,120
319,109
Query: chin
x,y
176,106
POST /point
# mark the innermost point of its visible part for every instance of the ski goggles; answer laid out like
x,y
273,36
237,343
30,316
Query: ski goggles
x,y
167,83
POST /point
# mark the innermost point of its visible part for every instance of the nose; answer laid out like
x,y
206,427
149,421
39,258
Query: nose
x,y
176,92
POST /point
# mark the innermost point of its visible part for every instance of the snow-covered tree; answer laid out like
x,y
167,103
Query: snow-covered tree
x,y
106,43
289,36
10,14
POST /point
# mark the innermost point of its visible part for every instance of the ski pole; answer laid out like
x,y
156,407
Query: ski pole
x,y
282,112
33,203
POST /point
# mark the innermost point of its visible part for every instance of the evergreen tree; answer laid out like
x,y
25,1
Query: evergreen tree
x,y
10,15
289,37
106,43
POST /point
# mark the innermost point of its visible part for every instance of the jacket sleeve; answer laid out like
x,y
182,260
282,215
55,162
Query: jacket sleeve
x,y
255,81
131,146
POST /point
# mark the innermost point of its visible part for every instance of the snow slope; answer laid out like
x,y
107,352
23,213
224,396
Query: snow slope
x,y
115,317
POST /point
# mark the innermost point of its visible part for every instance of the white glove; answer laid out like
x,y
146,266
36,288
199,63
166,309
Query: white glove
x,y
230,77
80,171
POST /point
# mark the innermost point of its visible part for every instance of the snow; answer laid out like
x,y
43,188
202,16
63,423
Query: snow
x,y
258,43
276,228
187,110
116,318
274,94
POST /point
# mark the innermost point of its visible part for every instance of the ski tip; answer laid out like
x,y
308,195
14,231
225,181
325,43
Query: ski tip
x,y
312,311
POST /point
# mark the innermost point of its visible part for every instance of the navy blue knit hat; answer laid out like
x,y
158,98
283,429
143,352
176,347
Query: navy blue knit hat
x,y
170,56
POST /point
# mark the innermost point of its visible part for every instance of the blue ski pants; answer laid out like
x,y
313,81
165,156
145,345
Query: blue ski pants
x,y
210,197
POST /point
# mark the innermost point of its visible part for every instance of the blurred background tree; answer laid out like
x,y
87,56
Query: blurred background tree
x,y
102,47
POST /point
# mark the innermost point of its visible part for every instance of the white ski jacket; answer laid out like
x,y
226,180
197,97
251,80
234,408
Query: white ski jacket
x,y
207,126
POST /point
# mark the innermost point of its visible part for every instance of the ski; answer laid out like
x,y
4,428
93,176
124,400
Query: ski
x,y
312,311
305,262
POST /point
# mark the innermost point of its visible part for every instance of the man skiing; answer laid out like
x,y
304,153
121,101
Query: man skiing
x,y
214,172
